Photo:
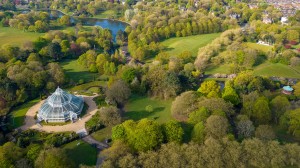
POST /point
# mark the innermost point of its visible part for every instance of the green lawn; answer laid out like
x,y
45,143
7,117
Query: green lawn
x,y
81,153
88,86
19,112
102,134
191,43
16,37
135,109
75,71
222,69
279,70
260,47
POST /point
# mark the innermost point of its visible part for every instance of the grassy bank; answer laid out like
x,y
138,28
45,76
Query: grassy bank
x,y
18,113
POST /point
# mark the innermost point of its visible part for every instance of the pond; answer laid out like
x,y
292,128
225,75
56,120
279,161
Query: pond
x,y
113,25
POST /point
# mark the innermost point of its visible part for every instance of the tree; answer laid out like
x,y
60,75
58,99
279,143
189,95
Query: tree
x,y
118,133
294,122
183,105
40,26
242,81
265,132
217,105
148,135
293,35
216,126
129,74
56,73
245,128
198,133
173,131
279,105
262,112
118,150
119,92
208,87
65,20
162,83
229,94
53,157
110,116
33,152
297,89
100,62
54,50
129,13
199,115
9,154
248,103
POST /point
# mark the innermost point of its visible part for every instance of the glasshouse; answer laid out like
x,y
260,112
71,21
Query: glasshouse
x,y
60,107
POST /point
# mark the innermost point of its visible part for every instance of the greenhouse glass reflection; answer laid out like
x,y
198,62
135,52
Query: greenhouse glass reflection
x,y
60,107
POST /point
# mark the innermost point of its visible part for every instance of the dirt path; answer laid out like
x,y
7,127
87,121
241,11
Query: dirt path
x,y
30,122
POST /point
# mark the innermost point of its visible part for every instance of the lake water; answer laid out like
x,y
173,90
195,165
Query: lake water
x,y
113,25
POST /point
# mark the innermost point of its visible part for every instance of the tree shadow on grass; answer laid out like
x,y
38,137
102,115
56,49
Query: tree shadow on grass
x,y
82,154
168,49
137,115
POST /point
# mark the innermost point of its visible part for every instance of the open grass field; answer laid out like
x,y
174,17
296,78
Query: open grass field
x,y
279,70
102,134
81,153
18,113
75,71
260,47
135,109
16,37
191,43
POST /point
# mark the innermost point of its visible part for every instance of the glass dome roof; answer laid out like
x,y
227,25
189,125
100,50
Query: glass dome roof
x,y
60,106
288,88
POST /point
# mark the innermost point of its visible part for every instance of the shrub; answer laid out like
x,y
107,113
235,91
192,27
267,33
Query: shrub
x,y
288,46
94,123
293,42
149,108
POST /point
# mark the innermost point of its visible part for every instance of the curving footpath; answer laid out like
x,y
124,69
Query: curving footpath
x,y
30,122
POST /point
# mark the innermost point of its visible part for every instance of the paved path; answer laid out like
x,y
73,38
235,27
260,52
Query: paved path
x,y
30,122
89,139
100,146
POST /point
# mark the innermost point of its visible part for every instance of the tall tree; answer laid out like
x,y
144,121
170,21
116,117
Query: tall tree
x,y
279,105
173,131
54,51
183,105
118,93
216,126
54,157
262,112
